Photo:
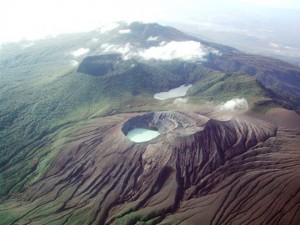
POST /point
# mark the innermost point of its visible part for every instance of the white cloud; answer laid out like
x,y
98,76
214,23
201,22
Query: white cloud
x,y
152,38
186,50
108,27
125,31
234,104
126,50
215,52
162,43
79,52
74,63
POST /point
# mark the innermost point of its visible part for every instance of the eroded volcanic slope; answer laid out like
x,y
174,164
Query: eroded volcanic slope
x,y
202,169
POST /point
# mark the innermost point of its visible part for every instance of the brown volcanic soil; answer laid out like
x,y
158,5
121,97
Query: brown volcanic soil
x,y
199,171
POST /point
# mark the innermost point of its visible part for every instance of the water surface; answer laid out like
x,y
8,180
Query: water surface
x,y
173,93
141,135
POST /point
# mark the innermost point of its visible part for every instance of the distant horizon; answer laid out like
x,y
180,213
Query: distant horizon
x,y
34,19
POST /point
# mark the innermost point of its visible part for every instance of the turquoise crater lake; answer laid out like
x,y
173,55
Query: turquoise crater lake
x,y
139,135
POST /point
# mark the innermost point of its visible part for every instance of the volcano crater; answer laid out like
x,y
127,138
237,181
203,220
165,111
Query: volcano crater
x,y
164,123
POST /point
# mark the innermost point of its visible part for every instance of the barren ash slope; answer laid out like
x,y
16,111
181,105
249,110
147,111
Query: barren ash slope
x,y
227,153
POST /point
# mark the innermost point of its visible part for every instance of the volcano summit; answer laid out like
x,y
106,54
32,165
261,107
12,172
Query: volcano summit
x,y
226,151
199,170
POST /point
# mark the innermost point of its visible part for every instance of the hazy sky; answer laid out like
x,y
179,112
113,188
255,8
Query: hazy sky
x,y
37,18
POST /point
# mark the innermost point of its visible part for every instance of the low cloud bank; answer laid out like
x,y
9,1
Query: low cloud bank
x,y
126,50
185,50
234,104
79,52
